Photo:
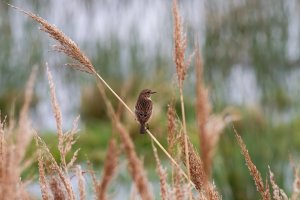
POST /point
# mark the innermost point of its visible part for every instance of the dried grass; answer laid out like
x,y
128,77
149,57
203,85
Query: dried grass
x,y
179,45
179,193
162,173
278,194
181,68
42,177
135,165
171,128
57,189
210,127
198,175
203,110
296,183
14,141
109,169
252,169
60,183
81,183
54,167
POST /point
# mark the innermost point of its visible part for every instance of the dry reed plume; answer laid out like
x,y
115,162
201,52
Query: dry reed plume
x,y
203,110
65,141
171,128
12,151
81,183
162,173
263,190
198,175
296,183
278,194
60,183
210,125
109,169
181,68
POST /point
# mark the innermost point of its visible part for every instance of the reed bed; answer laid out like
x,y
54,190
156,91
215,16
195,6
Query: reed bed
x,y
55,176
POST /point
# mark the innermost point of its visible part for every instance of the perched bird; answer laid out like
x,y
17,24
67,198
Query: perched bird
x,y
143,109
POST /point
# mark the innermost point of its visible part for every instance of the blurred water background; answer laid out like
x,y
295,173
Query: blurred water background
x,y
251,58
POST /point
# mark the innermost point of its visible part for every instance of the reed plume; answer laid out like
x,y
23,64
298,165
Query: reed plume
x,y
171,128
14,141
278,193
296,183
263,190
65,143
162,173
81,183
203,110
109,169
181,68
57,189
42,177
198,175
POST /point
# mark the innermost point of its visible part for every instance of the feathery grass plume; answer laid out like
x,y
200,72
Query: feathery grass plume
x,y
81,183
278,193
171,128
267,194
179,45
213,129
198,175
65,141
162,173
136,168
252,168
57,189
42,177
296,183
24,134
66,45
135,165
133,193
57,113
14,141
179,193
181,68
53,165
109,169
93,176
203,110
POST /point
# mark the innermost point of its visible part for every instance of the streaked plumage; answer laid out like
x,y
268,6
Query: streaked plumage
x,y
143,108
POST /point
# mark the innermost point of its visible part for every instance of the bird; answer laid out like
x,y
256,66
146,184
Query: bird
x,y
143,109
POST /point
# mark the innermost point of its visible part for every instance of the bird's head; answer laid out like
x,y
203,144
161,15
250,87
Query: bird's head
x,y
146,93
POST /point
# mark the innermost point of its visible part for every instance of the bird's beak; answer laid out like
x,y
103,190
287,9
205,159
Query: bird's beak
x,y
152,92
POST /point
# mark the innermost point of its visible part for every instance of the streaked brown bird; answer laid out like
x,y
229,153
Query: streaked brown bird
x,y
143,109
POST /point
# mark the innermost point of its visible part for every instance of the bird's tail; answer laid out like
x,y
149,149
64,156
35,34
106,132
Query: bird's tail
x,y
142,129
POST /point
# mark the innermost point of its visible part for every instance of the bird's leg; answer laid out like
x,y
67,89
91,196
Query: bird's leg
x,y
147,126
